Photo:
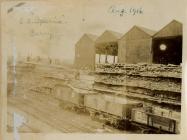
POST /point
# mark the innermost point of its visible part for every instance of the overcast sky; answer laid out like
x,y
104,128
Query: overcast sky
x,y
68,20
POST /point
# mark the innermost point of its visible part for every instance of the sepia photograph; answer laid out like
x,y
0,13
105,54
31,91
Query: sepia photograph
x,y
93,67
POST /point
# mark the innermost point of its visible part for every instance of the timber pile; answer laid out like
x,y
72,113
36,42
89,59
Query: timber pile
x,y
149,70
162,84
153,82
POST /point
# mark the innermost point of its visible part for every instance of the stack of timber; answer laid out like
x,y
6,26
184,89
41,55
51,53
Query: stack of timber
x,y
156,84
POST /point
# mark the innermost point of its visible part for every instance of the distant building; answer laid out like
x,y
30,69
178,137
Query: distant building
x,y
107,47
135,46
167,44
85,52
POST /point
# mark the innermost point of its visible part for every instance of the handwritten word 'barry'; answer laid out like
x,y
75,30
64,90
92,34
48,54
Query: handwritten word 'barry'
x,y
121,11
49,35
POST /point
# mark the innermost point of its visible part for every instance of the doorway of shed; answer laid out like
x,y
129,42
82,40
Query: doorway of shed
x,y
167,51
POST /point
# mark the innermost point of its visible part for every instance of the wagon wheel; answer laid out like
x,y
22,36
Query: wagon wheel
x,y
146,131
84,109
107,122
114,123
73,108
61,105
65,107
77,109
92,115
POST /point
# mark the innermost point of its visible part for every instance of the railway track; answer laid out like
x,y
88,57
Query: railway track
x,y
50,115
39,107
27,128
33,112
45,108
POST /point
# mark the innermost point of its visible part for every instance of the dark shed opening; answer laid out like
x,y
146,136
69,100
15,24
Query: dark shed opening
x,y
167,44
167,50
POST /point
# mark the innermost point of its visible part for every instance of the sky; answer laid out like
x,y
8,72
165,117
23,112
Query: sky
x,y
52,28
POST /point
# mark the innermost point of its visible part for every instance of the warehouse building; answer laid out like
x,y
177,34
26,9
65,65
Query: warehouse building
x,y
167,44
85,52
135,46
107,47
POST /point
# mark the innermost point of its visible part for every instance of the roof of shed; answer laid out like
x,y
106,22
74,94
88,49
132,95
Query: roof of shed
x,y
108,36
174,28
136,31
146,30
87,36
116,34
92,36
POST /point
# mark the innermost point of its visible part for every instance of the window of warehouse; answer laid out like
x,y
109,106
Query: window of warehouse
x,y
163,47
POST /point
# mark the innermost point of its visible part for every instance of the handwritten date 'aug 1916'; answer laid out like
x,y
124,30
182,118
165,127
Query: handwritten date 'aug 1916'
x,y
121,11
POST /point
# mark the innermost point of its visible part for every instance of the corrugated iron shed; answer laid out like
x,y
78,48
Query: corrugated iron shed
x,y
108,36
135,46
167,44
174,28
85,52
107,43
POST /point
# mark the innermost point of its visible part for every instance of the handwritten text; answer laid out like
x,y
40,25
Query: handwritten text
x,y
121,11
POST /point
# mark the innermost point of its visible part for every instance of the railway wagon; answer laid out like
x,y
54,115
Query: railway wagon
x,y
125,106
70,97
62,92
138,115
94,103
161,123
109,108
76,98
